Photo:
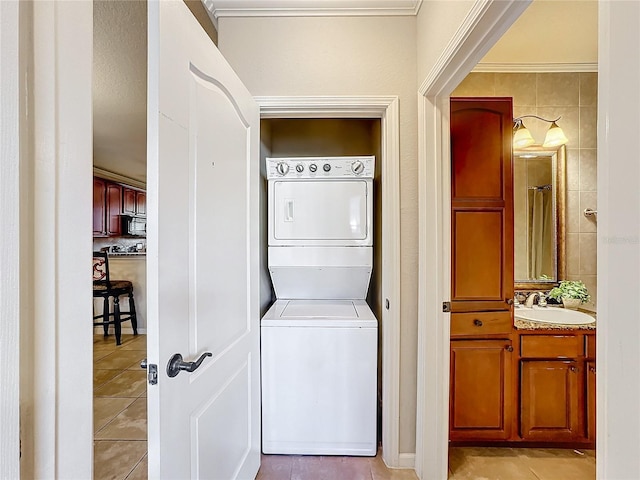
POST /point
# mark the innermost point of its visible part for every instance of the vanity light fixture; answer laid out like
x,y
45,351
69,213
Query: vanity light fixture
x,y
522,137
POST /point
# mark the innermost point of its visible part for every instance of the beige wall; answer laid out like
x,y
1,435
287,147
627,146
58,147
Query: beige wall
x,y
438,21
347,56
574,97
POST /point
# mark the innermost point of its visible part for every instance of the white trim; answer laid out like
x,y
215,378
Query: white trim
x,y
116,177
484,25
11,100
535,67
387,109
309,8
407,460
57,200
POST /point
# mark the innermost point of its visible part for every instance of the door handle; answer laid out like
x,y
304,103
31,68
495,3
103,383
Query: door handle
x,y
177,364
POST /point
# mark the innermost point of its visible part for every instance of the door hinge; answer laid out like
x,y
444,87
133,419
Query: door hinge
x,y
152,374
446,307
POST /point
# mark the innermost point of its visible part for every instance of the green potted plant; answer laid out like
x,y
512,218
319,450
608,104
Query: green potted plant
x,y
572,293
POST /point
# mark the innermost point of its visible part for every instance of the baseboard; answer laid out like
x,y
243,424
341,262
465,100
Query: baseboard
x,y
407,460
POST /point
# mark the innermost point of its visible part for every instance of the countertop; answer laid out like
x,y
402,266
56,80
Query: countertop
x,y
528,325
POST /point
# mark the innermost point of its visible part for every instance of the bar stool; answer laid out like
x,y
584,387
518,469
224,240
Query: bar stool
x,y
105,288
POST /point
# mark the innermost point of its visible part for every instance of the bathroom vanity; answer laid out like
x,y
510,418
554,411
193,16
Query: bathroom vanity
x,y
522,382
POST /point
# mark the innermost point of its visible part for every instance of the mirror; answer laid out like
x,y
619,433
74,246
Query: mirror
x,y
539,186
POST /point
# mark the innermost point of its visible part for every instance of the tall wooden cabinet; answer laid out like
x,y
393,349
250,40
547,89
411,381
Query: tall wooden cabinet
x,y
482,404
481,204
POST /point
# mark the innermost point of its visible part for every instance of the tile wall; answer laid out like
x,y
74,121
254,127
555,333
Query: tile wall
x,y
574,97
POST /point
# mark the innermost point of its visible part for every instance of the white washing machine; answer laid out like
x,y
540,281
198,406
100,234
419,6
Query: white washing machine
x,y
319,339
319,378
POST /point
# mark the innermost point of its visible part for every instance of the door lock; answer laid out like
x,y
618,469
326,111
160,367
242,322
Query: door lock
x,y
177,364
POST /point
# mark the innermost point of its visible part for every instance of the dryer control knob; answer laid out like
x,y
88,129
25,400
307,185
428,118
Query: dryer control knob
x,y
357,167
282,168
313,167
326,167
299,168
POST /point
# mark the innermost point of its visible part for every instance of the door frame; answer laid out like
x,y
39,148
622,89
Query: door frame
x,y
385,108
485,23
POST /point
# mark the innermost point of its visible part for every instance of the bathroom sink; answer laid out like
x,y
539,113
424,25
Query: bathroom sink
x,y
553,315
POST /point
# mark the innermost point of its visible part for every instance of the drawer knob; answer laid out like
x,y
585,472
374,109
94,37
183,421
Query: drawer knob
x,y
574,369
477,323
509,348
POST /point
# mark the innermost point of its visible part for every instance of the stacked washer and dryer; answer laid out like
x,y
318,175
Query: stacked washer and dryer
x,y
319,339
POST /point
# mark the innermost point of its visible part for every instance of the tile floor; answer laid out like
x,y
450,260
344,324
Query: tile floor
x,y
120,438
298,467
473,463
119,408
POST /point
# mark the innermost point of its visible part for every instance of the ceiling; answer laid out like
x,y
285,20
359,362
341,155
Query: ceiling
x,y
549,31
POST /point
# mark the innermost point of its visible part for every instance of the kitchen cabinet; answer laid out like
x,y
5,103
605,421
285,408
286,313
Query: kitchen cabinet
x,y
481,204
107,204
113,209
482,400
110,201
134,202
99,207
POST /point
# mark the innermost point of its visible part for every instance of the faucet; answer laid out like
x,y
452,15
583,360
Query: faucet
x,y
529,301
542,299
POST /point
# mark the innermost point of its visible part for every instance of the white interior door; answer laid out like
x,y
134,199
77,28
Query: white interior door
x,y
203,181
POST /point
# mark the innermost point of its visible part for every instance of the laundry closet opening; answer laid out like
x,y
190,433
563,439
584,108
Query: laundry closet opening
x,y
326,137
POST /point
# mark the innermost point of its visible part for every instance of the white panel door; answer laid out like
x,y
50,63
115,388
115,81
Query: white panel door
x,y
203,181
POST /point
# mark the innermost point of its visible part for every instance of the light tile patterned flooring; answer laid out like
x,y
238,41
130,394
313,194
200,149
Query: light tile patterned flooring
x,y
120,438
473,463
119,408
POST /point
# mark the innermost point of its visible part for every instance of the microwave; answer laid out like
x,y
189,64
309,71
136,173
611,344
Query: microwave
x,y
134,226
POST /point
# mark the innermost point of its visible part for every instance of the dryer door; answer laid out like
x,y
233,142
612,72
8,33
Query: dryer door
x,y
320,212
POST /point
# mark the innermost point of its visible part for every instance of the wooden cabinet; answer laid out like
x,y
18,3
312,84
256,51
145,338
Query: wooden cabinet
x,y
110,201
134,202
590,348
481,204
551,400
99,207
481,406
557,389
113,209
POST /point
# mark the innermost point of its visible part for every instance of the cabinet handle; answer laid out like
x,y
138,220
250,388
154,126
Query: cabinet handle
x,y
509,301
574,369
477,323
509,348
592,369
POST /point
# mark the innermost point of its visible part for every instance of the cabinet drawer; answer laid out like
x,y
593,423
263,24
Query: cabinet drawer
x,y
550,346
481,323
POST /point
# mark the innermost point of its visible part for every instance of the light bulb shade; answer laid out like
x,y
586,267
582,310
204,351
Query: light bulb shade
x,y
522,137
555,136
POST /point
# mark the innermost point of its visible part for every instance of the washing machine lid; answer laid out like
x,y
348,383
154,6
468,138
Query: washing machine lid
x,y
320,313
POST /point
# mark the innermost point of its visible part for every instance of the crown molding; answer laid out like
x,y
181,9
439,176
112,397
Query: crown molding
x,y
535,67
309,8
118,178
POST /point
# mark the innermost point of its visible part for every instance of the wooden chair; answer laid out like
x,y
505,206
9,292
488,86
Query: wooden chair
x,y
105,288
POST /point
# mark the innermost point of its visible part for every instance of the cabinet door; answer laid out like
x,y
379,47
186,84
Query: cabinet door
x,y
591,400
99,214
128,201
551,400
114,208
141,203
481,204
480,406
